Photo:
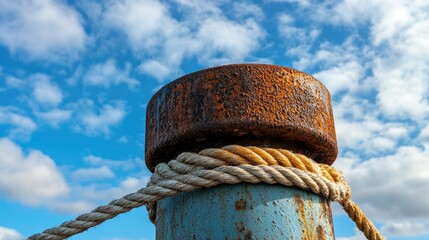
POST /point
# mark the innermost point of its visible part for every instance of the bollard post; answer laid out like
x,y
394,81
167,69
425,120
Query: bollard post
x,y
246,104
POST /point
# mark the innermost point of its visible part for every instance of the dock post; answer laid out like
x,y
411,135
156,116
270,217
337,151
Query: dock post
x,y
245,104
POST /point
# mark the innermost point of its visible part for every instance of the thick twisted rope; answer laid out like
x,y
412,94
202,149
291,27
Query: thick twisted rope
x,y
228,165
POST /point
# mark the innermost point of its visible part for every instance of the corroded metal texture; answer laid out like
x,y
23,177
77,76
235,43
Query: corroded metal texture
x,y
252,104
245,211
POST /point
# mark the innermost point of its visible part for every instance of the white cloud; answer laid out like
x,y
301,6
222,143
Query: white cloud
x,y
144,22
88,192
122,164
94,122
225,41
285,28
378,77
328,55
391,186
424,133
399,50
14,82
369,135
378,13
402,90
406,228
92,193
29,178
44,91
72,206
244,10
344,76
203,33
360,128
98,173
108,73
75,77
41,29
152,32
297,40
155,69
54,117
9,234
98,193
300,2
22,126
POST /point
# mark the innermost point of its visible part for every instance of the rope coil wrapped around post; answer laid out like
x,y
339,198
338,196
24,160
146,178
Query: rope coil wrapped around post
x,y
231,164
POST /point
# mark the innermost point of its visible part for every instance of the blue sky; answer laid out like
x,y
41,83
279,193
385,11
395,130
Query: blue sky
x,y
76,76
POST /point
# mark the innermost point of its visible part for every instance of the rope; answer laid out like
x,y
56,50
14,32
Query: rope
x,y
228,165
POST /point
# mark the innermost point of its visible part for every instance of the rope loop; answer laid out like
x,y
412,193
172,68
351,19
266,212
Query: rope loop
x,y
231,164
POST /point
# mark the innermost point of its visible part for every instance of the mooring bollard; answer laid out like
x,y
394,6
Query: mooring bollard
x,y
246,104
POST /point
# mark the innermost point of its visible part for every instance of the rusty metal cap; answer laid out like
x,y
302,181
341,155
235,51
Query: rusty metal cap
x,y
247,104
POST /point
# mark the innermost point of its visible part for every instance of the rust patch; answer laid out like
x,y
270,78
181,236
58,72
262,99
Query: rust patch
x,y
248,235
240,205
306,230
240,227
320,233
250,104
242,232
326,210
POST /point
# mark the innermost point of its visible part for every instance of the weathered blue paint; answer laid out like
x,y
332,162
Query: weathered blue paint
x,y
245,211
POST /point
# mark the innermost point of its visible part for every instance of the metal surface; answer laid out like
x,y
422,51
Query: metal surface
x,y
245,211
247,104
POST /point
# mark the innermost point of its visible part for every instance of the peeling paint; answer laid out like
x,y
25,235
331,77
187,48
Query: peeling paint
x,y
278,213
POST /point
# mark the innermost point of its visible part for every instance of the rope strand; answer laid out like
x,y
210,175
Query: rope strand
x,y
228,165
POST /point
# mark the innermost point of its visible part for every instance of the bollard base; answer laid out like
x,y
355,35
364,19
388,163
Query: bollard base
x,y
245,211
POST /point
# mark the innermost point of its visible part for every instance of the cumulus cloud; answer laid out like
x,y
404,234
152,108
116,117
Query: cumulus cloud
x,y
144,22
75,77
100,193
89,187
99,121
380,99
391,186
72,206
344,76
399,50
120,164
406,228
87,191
54,117
41,29
225,41
388,66
22,126
29,178
297,40
9,234
34,179
244,10
360,128
108,73
203,33
14,82
92,173
155,69
43,96
45,92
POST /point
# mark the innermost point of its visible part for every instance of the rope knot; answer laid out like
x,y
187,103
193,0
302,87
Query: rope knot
x,y
231,164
